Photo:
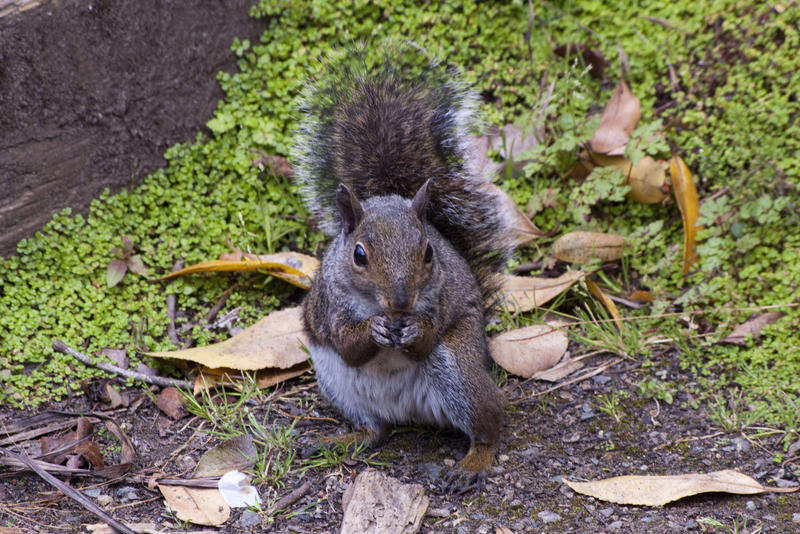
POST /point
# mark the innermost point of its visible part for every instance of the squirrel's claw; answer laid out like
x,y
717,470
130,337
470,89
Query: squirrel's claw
x,y
380,332
458,481
409,333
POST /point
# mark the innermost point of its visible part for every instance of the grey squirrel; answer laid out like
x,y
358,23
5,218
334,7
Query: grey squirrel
x,y
396,313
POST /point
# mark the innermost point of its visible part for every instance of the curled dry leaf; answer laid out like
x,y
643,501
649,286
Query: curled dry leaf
x,y
524,293
525,351
751,328
274,341
583,247
660,490
617,122
686,195
292,267
597,293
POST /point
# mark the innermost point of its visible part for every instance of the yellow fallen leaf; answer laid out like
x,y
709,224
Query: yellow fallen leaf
x,y
641,296
686,195
595,290
524,293
274,341
525,351
265,378
582,247
647,179
202,506
617,122
660,490
292,267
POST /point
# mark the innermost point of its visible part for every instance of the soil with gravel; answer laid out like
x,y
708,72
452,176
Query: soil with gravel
x,y
548,436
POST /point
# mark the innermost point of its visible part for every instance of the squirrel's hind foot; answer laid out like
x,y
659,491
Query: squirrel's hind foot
x,y
470,472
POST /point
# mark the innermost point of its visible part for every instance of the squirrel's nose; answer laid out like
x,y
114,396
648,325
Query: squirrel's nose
x,y
401,300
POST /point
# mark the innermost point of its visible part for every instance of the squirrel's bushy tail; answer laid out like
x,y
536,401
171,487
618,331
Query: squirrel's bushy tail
x,y
385,127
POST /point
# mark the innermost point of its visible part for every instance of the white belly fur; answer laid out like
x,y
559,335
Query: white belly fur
x,y
392,389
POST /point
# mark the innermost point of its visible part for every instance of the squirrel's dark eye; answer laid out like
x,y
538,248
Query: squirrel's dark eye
x,y
428,253
360,256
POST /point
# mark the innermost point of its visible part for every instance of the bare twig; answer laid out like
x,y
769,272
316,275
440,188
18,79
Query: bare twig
x,y
289,499
68,491
62,347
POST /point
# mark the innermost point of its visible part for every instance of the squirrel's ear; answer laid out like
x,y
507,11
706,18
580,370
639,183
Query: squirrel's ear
x,y
349,208
420,201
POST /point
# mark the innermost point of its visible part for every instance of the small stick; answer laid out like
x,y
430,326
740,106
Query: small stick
x,y
290,499
69,491
62,347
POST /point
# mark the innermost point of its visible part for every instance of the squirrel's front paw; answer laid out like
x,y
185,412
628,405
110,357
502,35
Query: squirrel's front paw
x,y
380,331
408,331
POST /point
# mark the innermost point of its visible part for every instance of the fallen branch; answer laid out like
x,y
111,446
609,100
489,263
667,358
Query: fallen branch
x,y
289,499
62,347
68,491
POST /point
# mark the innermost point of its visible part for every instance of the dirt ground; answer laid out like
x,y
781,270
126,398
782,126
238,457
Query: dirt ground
x,y
547,436
93,92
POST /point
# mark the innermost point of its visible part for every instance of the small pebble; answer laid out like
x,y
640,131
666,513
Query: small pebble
x,y
249,519
616,525
796,517
104,500
691,525
548,516
606,512
601,379
741,444
438,512
502,458
751,506
92,492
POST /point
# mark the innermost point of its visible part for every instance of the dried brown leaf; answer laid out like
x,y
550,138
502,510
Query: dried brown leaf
x,y
686,195
583,247
202,506
233,454
292,267
521,229
524,293
597,293
751,328
565,367
617,122
525,351
641,296
660,490
274,341
171,402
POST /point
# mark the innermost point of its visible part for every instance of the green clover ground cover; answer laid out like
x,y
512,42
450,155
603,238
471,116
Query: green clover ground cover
x,y
722,74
